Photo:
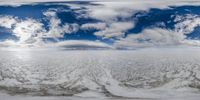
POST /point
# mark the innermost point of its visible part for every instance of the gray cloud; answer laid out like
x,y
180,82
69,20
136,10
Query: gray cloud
x,y
81,44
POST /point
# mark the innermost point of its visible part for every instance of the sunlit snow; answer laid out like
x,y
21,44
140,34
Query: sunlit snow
x,y
143,73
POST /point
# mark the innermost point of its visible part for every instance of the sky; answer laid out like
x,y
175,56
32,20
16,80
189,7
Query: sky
x,y
82,24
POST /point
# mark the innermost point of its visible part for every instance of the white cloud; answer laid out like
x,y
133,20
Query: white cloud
x,y
55,27
108,14
110,10
32,31
115,29
7,43
82,44
186,24
192,42
50,13
28,31
7,21
98,26
151,37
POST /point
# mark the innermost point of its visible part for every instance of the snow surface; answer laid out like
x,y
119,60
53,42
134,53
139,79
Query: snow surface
x,y
49,74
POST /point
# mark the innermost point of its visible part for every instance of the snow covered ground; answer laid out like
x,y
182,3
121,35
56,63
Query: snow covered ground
x,y
49,74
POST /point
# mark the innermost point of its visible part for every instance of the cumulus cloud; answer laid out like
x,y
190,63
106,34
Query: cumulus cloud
x,y
116,29
31,32
186,24
7,21
151,37
28,31
7,43
111,10
55,27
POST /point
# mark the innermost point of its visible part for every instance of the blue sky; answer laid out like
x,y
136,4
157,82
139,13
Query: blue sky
x,y
99,24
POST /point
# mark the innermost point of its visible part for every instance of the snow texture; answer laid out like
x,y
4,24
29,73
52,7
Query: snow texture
x,y
102,74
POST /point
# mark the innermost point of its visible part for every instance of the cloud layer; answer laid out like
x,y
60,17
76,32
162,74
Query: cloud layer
x,y
82,44
114,20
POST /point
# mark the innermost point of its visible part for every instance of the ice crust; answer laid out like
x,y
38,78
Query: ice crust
x,y
143,73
